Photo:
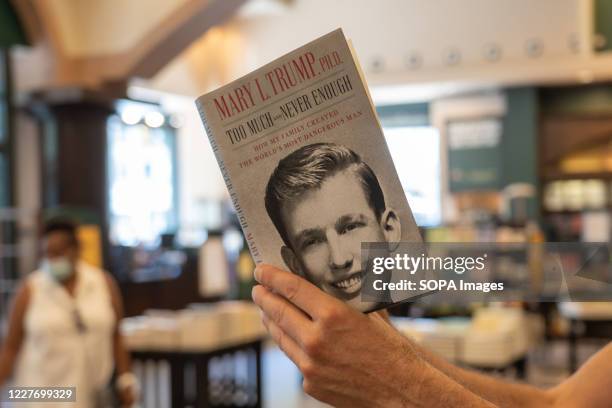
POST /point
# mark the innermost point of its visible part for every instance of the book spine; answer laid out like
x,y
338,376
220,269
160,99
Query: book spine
x,y
228,182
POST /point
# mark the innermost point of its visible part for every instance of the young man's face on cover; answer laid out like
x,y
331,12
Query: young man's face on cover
x,y
326,227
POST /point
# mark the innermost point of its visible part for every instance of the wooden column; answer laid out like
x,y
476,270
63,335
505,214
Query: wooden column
x,y
74,152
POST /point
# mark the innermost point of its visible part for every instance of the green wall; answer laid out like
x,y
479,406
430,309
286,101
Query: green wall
x,y
603,22
411,114
577,100
520,140
11,31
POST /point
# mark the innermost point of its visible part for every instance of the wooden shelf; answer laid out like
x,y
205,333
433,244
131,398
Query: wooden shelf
x,y
575,212
555,176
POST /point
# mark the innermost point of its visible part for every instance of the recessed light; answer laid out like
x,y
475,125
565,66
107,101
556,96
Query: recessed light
x,y
154,119
377,64
573,42
414,60
452,56
534,47
131,116
492,52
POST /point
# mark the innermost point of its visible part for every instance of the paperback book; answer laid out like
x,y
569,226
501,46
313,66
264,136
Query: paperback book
x,y
307,167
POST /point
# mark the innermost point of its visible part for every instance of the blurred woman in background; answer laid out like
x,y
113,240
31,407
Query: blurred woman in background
x,y
63,326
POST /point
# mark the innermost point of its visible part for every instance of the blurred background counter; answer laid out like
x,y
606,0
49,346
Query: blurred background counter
x,y
206,355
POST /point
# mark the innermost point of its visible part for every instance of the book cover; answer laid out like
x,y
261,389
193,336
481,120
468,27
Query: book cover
x,y
307,167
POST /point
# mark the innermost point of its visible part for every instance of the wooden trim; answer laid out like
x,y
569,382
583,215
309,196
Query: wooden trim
x,y
147,57
29,18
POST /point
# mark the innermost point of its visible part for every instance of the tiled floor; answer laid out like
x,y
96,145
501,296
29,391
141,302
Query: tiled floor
x,y
547,366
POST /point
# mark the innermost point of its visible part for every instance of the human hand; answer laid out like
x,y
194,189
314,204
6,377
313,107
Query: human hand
x,y
347,358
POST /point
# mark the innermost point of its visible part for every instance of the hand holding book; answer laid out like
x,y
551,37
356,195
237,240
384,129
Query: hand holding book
x,y
347,358
350,359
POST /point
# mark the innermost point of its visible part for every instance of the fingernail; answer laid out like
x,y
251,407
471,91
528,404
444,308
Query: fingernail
x,y
254,293
257,273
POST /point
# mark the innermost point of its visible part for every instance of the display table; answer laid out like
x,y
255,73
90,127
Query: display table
x,y
494,339
587,320
207,355
228,374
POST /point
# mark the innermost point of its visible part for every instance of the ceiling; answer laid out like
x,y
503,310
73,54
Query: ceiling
x,y
427,48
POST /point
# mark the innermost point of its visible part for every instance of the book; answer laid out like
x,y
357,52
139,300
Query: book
x,y
307,167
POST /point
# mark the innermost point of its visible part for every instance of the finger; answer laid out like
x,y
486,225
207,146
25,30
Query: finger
x,y
285,315
312,300
383,314
284,342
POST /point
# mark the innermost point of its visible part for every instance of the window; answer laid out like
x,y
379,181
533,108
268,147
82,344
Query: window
x,y
416,154
141,182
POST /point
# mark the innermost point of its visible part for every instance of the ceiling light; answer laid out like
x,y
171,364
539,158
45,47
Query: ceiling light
x,y
131,116
154,119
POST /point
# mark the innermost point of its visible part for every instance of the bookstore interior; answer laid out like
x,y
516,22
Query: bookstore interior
x,y
138,141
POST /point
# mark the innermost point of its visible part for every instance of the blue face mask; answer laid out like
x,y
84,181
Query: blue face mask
x,y
59,269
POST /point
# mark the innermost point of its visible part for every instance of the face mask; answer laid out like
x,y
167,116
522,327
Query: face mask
x,y
59,269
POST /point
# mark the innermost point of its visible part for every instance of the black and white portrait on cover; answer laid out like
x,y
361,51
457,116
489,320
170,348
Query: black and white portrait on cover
x,y
324,202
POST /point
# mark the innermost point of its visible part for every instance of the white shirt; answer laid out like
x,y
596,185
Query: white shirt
x,y
55,351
